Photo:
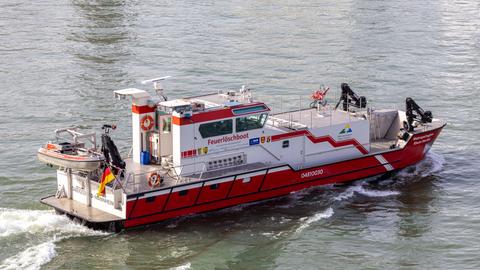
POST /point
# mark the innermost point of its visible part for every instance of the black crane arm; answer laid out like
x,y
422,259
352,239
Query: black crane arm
x,y
350,99
415,112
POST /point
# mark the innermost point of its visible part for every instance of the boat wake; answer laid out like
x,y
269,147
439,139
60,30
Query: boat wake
x,y
345,195
182,267
306,221
18,221
432,163
31,258
43,225
360,189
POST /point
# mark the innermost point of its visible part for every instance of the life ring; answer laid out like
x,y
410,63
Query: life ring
x,y
154,180
146,123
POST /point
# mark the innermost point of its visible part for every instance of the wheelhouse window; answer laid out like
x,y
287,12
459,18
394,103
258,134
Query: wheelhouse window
x,y
250,122
217,128
252,109
167,125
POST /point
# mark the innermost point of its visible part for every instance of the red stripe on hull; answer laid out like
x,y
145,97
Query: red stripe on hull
x,y
321,139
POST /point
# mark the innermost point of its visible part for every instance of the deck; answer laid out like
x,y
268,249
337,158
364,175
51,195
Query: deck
x,y
139,182
79,210
312,118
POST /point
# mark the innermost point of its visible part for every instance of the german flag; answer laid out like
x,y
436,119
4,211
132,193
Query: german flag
x,y
107,177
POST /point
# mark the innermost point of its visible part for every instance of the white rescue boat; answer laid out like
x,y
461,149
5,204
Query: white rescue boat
x,y
71,154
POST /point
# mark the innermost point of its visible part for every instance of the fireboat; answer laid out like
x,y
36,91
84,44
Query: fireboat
x,y
217,150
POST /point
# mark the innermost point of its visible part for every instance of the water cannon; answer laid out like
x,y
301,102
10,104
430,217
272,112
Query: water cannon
x,y
157,85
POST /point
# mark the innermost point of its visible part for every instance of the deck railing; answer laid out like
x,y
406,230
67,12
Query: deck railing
x,y
130,181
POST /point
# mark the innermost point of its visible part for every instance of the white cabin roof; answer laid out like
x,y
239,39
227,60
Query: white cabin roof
x,y
212,100
175,103
134,92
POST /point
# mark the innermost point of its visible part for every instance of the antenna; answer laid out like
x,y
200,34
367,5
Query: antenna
x,y
246,93
157,85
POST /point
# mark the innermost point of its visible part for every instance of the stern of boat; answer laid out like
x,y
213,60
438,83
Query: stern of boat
x,y
77,197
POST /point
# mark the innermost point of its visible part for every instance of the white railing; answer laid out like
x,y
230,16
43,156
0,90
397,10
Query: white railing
x,y
75,136
135,181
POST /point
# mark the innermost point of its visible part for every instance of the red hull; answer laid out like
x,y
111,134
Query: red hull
x,y
212,194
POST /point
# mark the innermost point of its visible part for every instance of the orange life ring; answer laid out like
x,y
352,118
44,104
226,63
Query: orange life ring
x,y
146,123
154,180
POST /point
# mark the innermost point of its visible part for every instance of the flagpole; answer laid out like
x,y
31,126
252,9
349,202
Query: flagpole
x,y
116,180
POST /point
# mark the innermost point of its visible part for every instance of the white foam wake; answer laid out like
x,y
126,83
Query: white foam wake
x,y
306,221
42,224
17,221
31,258
182,267
431,164
349,192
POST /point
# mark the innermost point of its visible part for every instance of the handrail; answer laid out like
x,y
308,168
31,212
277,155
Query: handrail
x,y
129,177
73,131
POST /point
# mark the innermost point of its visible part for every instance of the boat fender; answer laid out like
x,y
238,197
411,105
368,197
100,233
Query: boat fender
x,y
154,180
146,123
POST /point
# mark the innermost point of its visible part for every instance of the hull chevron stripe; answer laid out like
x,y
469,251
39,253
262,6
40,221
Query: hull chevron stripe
x,y
384,162
321,139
